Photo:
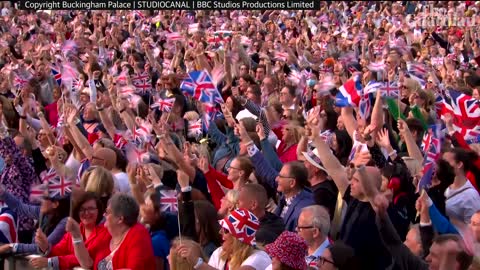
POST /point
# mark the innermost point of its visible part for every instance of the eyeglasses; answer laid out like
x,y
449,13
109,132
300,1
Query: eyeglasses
x,y
322,260
88,210
231,167
286,177
301,228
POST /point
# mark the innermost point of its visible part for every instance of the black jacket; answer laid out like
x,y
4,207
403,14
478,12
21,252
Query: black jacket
x,y
271,226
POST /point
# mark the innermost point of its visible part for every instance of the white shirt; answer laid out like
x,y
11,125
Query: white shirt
x,y
462,203
121,182
73,166
259,260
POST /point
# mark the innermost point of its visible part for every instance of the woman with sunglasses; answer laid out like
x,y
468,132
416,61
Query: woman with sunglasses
x,y
338,256
52,213
88,211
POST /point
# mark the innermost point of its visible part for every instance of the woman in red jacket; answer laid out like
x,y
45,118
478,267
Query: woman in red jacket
x,y
130,246
88,211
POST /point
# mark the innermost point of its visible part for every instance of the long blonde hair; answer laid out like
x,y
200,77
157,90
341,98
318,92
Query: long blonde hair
x,y
241,252
99,181
177,262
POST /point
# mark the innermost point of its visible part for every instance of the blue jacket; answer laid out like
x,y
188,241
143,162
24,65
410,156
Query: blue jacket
x,y
303,199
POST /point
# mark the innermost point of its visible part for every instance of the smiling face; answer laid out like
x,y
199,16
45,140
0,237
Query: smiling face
x,y
89,213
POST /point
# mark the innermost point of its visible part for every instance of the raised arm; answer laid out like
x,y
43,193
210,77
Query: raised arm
x,y
333,166
412,147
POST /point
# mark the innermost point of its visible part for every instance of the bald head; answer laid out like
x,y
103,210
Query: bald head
x,y
104,157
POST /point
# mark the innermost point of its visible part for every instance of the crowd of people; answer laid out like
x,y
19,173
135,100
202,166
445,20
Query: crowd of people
x,y
339,138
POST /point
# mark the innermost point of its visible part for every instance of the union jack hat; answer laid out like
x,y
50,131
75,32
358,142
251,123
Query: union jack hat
x,y
241,224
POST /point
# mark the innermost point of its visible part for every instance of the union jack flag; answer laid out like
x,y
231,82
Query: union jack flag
x,y
194,128
54,183
349,93
19,82
168,200
437,61
323,46
365,105
242,224
200,86
142,82
57,74
417,69
464,108
390,89
282,56
138,155
69,47
431,145
84,165
164,105
143,132
126,91
174,36
377,66
8,225
120,141
138,15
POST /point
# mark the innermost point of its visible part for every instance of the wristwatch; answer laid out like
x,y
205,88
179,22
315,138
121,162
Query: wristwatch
x,y
199,263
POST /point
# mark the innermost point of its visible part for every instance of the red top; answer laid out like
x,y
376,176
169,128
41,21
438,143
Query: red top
x,y
52,113
287,155
64,249
135,251
214,180
463,144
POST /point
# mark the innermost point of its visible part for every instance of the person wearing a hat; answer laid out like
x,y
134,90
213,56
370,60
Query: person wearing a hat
x,y
238,248
288,250
324,190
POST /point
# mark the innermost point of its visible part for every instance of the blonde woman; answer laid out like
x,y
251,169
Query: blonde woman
x,y
238,250
228,203
291,134
99,181
176,261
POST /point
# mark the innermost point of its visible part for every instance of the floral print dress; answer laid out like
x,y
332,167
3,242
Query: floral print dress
x,y
18,176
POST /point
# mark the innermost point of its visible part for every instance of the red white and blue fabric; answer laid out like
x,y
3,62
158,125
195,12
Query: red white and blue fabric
x,y
417,69
290,249
349,93
174,36
143,132
241,224
69,47
431,144
8,225
137,155
164,105
57,74
142,82
195,128
200,86
84,165
465,110
365,106
390,90
168,200
377,66
281,56
19,82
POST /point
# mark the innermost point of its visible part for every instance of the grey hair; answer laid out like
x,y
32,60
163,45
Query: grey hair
x,y
320,218
123,205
